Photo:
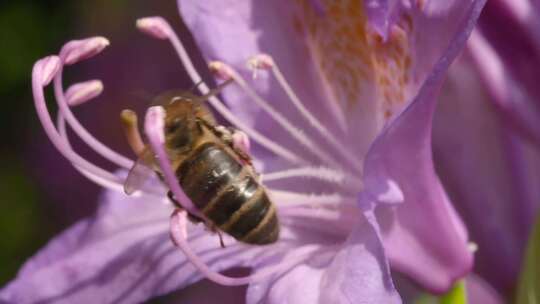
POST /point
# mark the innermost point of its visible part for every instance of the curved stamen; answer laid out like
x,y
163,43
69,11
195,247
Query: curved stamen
x,y
44,70
178,234
264,61
286,199
321,173
154,128
159,28
254,135
67,56
224,70
335,221
113,185
311,218
104,182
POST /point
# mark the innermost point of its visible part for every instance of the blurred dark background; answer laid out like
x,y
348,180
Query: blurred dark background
x,y
41,193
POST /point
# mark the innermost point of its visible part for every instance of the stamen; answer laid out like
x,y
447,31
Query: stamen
x,y
131,130
321,173
256,136
154,127
344,211
177,226
226,72
156,27
78,50
42,72
311,218
89,47
264,61
104,182
286,199
61,126
82,92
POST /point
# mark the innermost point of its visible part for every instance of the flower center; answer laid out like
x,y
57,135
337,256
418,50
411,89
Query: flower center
x,y
356,64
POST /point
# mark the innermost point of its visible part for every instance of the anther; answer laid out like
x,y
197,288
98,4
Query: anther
x,y
77,50
131,130
221,70
82,92
260,61
472,247
156,27
46,69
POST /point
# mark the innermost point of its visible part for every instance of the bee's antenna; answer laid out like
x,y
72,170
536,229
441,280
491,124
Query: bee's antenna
x,y
196,86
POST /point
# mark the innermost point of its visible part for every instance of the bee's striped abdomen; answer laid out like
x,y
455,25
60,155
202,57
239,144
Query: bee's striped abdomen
x,y
228,195
205,172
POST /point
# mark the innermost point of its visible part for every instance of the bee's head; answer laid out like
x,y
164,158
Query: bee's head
x,y
184,109
181,119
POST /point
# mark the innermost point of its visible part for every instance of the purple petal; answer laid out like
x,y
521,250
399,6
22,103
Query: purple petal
x,y
122,255
426,239
354,272
499,202
507,55
207,291
380,13
478,291
513,98
233,31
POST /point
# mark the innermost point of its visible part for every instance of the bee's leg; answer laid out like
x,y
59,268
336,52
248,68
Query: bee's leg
x,y
213,228
131,130
223,133
220,239
170,195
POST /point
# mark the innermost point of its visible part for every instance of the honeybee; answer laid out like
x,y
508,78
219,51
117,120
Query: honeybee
x,y
216,175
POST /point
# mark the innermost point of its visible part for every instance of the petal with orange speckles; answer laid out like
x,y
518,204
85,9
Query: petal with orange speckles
x,y
378,93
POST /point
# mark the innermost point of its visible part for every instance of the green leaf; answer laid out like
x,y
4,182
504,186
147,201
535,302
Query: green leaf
x,y
528,291
457,295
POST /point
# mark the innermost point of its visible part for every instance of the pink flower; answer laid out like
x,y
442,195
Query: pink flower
x,y
339,118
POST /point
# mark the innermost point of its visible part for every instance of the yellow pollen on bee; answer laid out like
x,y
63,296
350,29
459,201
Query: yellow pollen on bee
x,y
354,61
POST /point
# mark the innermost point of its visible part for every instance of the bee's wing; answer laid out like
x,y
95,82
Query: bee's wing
x,y
139,174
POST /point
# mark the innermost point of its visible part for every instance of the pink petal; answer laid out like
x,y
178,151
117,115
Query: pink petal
x,y
424,237
354,272
500,202
122,255
478,291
